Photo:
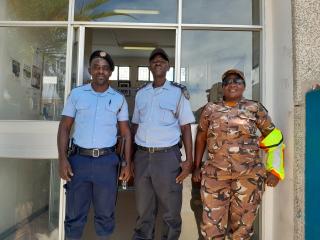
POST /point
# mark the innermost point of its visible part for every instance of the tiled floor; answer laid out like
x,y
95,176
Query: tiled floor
x,y
125,222
125,218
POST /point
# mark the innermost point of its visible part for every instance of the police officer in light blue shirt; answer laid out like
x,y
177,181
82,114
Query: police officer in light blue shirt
x,y
96,111
162,114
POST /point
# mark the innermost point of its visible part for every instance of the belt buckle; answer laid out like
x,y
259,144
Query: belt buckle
x,y
95,152
151,150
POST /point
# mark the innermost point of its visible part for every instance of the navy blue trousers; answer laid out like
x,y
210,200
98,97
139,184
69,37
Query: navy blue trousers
x,y
155,183
94,181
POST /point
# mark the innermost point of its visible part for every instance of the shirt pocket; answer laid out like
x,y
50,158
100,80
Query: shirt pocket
x,y
248,122
167,113
83,111
111,111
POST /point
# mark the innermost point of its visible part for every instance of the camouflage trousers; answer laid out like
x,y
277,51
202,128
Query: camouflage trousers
x,y
230,204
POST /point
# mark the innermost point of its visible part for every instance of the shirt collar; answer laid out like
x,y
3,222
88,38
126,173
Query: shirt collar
x,y
110,90
243,99
166,86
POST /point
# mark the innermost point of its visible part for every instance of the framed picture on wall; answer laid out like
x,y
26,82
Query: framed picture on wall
x,y
26,72
36,77
15,68
124,87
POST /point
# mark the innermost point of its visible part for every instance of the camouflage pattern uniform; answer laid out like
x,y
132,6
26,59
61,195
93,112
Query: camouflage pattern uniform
x,y
233,176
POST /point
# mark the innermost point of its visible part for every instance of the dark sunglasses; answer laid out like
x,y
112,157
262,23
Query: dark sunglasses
x,y
228,81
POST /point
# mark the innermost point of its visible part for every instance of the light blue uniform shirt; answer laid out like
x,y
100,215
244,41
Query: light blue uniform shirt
x,y
160,112
95,116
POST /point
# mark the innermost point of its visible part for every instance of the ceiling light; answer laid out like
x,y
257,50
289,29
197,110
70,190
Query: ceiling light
x,y
136,11
138,48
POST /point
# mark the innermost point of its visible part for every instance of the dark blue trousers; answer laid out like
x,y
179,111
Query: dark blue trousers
x,y
155,183
94,181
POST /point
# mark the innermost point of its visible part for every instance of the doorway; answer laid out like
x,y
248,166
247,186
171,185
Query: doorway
x,y
130,50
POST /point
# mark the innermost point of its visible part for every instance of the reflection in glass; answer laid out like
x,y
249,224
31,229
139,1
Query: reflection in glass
x,y
29,203
34,10
152,11
32,80
206,55
246,12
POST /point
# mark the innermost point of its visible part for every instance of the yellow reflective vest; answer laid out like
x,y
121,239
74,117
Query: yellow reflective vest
x,y
273,145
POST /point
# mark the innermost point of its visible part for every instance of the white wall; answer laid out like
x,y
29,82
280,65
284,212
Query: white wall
x,y
278,205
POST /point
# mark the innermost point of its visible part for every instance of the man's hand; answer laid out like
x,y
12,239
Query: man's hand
x,y
272,180
196,175
65,170
186,167
125,173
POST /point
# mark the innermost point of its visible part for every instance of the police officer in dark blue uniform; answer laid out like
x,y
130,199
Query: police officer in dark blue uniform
x,y
95,110
161,115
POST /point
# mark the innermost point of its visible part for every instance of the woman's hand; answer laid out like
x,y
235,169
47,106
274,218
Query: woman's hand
x,y
272,180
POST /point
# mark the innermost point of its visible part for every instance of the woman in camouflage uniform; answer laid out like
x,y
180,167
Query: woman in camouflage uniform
x,y
233,177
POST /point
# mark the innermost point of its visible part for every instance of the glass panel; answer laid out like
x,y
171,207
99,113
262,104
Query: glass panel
x,y
34,10
29,202
32,81
151,11
245,12
206,55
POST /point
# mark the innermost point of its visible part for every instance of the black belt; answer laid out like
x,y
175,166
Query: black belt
x,y
94,152
156,149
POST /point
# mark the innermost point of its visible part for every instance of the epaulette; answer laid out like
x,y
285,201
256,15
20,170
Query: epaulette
x,y
183,88
142,86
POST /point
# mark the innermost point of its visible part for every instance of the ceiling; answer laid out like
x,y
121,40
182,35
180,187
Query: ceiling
x,y
113,41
